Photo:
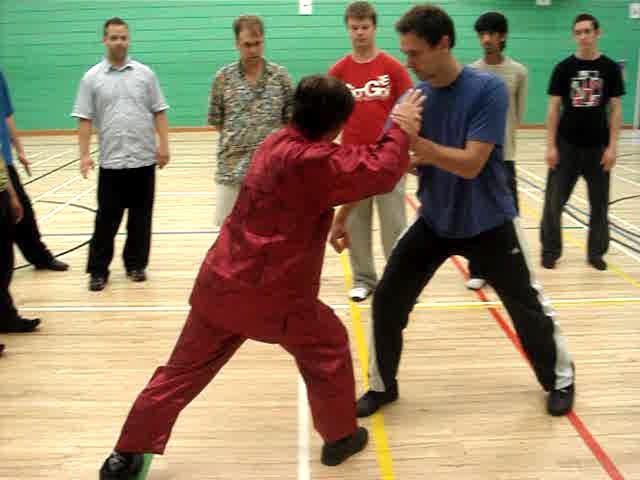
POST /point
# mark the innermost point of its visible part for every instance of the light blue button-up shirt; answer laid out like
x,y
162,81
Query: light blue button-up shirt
x,y
122,102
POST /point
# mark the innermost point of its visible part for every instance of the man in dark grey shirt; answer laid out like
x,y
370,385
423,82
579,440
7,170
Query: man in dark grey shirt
x,y
124,100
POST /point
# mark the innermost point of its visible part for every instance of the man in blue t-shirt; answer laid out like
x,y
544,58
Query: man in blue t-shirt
x,y
467,209
26,233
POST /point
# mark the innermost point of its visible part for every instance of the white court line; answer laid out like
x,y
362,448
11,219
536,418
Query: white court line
x,y
630,170
66,204
31,156
614,244
338,306
304,470
62,185
51,158
582,200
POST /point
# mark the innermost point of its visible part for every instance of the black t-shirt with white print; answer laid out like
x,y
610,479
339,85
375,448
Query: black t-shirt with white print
x,y
586,87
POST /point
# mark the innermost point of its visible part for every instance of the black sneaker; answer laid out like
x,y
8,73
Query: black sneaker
x,y
20,325
560,401
337,452
370,402
598,263
97,283
120,466
548,262
137,275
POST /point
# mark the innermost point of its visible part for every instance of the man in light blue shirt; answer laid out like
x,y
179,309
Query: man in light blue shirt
x,y
123,99
467,209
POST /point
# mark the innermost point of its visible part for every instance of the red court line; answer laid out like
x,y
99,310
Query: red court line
x,y
575,420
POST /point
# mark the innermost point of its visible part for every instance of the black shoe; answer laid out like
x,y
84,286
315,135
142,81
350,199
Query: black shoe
x,y
120,466
370,402
337,452
97,283
55,265
1,348
20,325
598,263
137,275
560,401
549,262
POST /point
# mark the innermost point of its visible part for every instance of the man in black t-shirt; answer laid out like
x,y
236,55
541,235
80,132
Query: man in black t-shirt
x,y
583,122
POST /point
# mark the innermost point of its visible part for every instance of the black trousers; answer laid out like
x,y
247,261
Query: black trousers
x,y
27,235
574,162
498,252
132,189
7,228
512,183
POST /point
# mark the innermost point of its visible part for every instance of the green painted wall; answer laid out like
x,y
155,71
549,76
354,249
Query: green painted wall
x,y
46,45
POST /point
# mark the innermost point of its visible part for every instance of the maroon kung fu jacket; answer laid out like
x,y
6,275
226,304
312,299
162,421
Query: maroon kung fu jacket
x,y
264,269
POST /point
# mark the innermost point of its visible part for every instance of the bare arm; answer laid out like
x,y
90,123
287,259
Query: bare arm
x,y
13,131
521,98
15,139
84,140
615,123
553,118
162,127
615,120
465,162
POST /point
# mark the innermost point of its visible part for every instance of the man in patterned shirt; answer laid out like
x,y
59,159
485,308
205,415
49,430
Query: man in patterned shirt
x,y
10,213
250,99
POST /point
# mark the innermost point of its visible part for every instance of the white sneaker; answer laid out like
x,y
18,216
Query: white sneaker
x,y
476,283
358,294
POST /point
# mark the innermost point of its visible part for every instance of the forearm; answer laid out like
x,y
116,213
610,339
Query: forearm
x,y
344,211
162,127
615,124
553,117
84,136
13,132
461,162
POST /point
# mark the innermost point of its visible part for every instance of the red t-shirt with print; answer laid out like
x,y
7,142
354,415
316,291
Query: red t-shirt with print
x,y
376,86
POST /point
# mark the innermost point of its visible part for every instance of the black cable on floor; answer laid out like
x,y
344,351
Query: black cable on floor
x,y
55,169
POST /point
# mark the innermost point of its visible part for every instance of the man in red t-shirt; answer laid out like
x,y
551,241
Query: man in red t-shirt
x,y
376,80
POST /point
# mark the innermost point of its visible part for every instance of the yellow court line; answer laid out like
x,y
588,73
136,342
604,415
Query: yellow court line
x,y
383,453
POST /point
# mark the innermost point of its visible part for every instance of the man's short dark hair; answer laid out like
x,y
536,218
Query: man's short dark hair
x,y
361,11
492,22
587,17
113,21
248,22
321,104
428,22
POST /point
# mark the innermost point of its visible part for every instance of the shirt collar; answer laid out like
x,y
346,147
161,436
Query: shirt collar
x,y
128,63
267,69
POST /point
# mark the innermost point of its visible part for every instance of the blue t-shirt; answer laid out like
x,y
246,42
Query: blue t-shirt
x,y
473,107
6,110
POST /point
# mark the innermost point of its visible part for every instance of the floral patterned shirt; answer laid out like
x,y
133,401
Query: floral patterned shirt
x,y
245,114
